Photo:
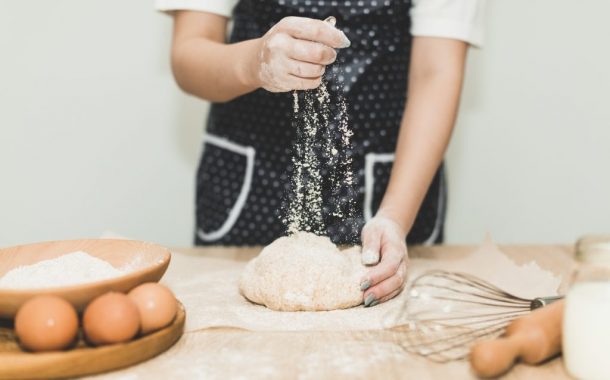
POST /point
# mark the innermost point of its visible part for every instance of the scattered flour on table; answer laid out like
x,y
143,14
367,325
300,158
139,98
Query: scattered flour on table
x,y
350,359
69,269
253,356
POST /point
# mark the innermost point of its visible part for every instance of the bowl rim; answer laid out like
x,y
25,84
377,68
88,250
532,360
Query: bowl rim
x,y
164,262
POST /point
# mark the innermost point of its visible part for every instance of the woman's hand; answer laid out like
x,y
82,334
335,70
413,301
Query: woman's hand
x,y
384,246
294,53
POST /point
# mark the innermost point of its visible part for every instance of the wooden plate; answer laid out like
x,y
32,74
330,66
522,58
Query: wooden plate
x,y
147,262
83,360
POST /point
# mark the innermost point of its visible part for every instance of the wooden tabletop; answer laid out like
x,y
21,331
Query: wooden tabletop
x,y
353,354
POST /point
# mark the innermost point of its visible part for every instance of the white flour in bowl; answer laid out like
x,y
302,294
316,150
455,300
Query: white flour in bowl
x,y
69,269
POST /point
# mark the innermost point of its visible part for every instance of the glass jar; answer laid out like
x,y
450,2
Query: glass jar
x,y
586,323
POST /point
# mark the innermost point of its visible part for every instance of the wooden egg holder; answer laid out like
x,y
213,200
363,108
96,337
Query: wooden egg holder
x,y
82,359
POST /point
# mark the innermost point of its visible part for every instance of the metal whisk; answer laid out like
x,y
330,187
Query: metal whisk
x,y
449,311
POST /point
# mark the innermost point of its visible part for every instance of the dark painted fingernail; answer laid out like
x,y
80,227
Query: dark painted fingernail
x,y
376,302
369,300
365,285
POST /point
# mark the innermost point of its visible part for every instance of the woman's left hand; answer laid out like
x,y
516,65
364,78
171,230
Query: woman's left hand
x,y
383,246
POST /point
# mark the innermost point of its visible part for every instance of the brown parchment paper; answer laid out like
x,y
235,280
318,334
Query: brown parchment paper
x,y
212,299
208,288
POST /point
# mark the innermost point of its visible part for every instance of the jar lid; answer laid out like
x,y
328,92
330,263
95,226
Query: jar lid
x,y
594,249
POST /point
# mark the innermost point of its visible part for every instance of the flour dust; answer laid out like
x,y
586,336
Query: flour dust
x,y
321,198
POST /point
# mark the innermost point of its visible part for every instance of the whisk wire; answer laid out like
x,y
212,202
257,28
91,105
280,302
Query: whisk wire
x,y
473,302
469,281
469,309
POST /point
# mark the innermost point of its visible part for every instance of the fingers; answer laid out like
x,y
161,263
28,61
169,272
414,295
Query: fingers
x,y
392,295
371,245
331,20
290,82
311,52
388,288
381,237
304,69
401,275
282,74
314,30
391,257
294,53
304,83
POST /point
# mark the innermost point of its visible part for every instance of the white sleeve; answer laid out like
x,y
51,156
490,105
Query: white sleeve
x,y
458,19
220,7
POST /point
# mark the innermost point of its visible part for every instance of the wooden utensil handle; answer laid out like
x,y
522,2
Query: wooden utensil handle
x,y
532,338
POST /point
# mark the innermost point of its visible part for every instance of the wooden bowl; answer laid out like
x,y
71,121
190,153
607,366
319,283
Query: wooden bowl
x,y
146,262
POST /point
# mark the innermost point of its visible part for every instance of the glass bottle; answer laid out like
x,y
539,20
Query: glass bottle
x,y
586,324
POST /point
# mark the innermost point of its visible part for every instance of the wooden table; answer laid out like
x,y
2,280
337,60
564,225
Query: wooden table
x,y
353,354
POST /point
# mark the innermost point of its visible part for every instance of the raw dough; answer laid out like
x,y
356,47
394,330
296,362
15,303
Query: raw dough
x,y
304,272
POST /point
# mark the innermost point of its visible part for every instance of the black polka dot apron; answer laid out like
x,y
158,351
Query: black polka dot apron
x,y
245,168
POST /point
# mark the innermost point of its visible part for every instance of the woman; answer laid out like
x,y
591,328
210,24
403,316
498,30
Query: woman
x,y
388,49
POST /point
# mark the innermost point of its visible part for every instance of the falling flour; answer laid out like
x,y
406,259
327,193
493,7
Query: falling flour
x,y
322,178
69,269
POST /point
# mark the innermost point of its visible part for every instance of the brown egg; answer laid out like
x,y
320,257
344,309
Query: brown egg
x,y
111,318
156,304
46,323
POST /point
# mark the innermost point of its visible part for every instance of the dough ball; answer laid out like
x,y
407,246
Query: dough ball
x,y
304,272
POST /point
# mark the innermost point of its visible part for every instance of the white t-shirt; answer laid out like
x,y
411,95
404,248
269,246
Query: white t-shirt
x,y
457,19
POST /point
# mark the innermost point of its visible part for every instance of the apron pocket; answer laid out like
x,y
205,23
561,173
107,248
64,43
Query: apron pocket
x,y
427,228
223,184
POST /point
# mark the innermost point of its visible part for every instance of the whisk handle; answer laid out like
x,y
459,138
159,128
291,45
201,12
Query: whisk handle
x,y
532,338
543,301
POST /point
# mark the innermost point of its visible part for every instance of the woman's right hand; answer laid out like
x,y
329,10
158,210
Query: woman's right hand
x,y
294,53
